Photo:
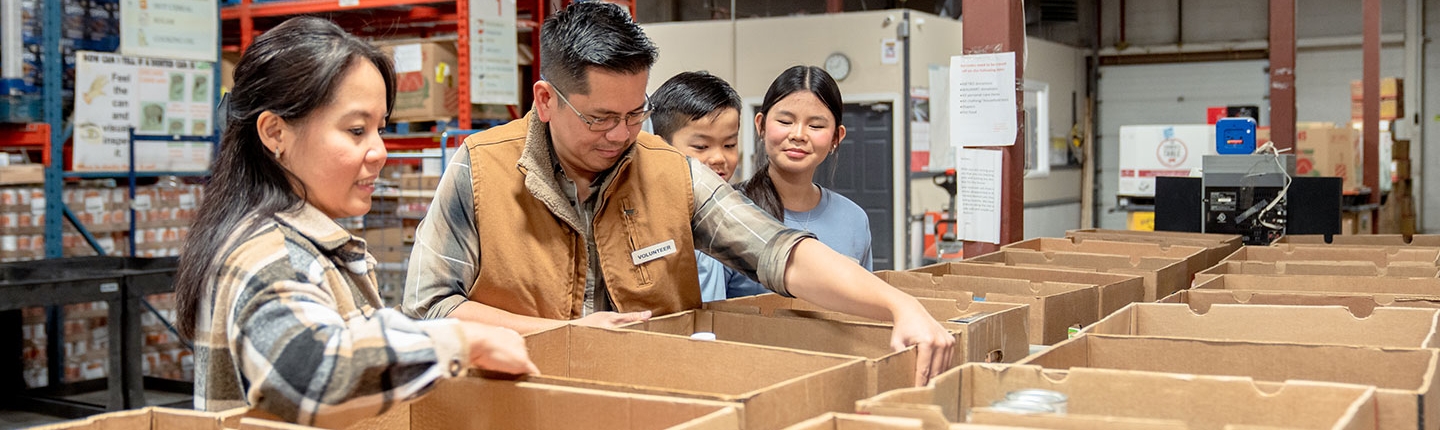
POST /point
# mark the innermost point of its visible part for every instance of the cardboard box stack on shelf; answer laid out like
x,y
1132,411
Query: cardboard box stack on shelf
x,y
22,220
427,88
36,371
87,341
163,214
1392,99
163,354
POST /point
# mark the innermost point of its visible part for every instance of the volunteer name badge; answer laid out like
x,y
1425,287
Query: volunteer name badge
x,y
653,252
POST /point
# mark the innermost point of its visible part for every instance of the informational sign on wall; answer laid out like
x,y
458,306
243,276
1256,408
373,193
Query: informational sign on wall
x,y
982,100
978,201
494,65
180,29
156,96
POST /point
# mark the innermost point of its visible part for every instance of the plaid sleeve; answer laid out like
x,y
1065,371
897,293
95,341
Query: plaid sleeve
x,y
731,229
445,259
303,361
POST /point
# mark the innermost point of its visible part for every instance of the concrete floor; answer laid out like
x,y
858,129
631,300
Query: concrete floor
x,y
22,419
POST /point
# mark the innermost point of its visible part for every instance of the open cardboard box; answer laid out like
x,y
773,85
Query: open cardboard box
x,y
1410,269
1130,399
886,369
990,331
482,404
1430,240
154,418
1329,325
1055,307
777,386
1359,303
1162,276
1328,284
1217,246
835,421
1196,257
1404,377
1116,290
1380,256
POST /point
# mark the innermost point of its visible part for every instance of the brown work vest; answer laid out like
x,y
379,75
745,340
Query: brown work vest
x,y
533,261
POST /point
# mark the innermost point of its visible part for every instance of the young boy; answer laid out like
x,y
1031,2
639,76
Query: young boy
x,y
699,114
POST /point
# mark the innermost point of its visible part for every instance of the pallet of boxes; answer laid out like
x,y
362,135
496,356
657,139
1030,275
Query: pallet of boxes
x,y
1299,335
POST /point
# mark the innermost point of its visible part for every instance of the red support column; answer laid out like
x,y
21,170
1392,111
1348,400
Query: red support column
x,y
462,68
1370,81
1282,73
993,26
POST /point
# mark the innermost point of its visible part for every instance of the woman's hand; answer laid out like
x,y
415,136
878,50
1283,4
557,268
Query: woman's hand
x,y
498,349
934,345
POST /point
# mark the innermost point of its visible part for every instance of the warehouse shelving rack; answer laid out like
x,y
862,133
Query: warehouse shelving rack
x,y
121,282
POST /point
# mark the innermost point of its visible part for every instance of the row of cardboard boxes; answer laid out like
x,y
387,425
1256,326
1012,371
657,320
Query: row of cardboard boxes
x,y
163,215
1151,366
825,362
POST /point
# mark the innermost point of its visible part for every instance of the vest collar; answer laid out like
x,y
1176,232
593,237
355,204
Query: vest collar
x,y
541,167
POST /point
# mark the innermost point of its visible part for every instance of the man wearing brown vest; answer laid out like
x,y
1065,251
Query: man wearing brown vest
x,y
573,214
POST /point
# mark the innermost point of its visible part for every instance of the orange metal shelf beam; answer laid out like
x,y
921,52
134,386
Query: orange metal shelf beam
x,y
299,7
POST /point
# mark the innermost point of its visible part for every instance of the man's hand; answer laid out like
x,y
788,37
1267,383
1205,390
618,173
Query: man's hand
x,y
934,345
612,319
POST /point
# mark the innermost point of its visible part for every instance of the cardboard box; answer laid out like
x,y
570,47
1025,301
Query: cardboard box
x,y
481,404
1162,276
1390,88
1329,325
1218,246
886,369
1358,303
1055,307
1148,151
777,386
1323,284
1387,240
1329,151
991,332
419,182
1381,257
426,86
834,421
16,174
1194,256
1404,377
1389,109
1132,399
1116,290
155,418
1321,268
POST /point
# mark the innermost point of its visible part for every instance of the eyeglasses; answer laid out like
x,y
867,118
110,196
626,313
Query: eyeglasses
x,y
609,122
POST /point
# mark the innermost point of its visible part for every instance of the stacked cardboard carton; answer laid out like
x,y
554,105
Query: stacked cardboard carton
x,y
1217,246
155,418
1392,99
1367,261
1055,307
163,354
22,220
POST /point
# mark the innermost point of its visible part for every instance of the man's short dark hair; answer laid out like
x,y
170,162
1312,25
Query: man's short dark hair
x,y
592,34
687,97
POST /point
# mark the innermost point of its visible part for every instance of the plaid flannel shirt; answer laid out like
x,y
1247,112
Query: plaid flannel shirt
x,y
292,324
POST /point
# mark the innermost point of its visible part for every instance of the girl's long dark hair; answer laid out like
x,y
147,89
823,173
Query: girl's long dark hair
x,y
759,188
291,71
